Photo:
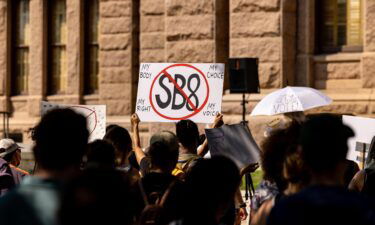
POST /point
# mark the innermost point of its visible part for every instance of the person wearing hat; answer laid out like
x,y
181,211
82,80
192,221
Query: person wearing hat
x,y
10,151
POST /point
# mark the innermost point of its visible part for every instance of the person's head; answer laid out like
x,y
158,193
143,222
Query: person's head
x,y
166,137
294,169
371,152
97,197
323,141
120,138
10,151
211,185
60,140
274,150
100,154
163,157
188,134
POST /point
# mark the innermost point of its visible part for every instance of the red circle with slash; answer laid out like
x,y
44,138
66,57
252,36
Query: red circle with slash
x,y
195,109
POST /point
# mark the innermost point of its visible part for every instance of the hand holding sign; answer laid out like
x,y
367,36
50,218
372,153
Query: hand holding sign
x,y
179,91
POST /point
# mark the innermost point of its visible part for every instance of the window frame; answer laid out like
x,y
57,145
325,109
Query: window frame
x,y
87,45
50,46
319,48
14,46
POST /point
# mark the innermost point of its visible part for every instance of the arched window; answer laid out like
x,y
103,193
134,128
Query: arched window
x,y
57,39
91,47
20,52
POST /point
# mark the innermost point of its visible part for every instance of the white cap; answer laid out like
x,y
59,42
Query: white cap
x,y
7,146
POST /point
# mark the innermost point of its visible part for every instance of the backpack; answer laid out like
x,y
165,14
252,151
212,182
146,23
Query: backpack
x,y
6,177
154,213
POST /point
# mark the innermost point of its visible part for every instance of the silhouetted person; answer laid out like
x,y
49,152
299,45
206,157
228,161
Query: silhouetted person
x,y
100,155
120,138
364,180
10,159
97,197
324,147
210,190
60,140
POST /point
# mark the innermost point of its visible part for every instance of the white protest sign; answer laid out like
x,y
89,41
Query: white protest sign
x,y
168,92
95,114
364,129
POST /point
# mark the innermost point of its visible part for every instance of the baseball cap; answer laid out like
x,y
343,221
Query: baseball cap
x,y
7,146
166,137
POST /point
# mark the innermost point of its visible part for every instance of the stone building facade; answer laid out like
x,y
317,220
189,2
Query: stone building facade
x,y
281,33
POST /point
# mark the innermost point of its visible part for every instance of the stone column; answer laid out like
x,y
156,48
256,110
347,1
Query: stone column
x,y
73,51
189,28
4,56
368,57
305,43
37,81
255,31
118,54
289,29
152,36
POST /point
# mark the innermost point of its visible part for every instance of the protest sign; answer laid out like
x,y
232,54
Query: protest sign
x,y
95,114
364,129
235,142
170,92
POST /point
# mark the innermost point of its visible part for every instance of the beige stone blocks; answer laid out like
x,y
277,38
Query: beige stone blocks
x,y
117,25
115,9
267,49
337,70
152,55
189,27
190,7
269,75
368,70
369,28
152,23
117,58
190,51
255,24
115,41
113,75
152,7
254,5
152,40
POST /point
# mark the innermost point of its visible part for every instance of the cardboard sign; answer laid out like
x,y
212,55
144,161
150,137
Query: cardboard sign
x,y
364,129
95,114
171,92
235,142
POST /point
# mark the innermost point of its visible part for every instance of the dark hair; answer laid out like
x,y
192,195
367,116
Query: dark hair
x,y
187,133
163,156
60,139
97,197
101,153
295,170
8,157
120,138
212,183
274,151
324,142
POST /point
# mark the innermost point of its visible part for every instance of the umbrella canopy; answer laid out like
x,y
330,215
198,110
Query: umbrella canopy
x,y
290,99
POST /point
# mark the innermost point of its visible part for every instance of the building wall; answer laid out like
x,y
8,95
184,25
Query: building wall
x,y
279,32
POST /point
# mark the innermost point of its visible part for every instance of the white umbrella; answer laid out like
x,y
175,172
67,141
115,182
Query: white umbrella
x,y
290,99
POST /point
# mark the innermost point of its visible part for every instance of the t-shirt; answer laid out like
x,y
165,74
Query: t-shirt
x,y
324,206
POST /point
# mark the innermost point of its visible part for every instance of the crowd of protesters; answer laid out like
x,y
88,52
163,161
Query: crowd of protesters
x,y
116,181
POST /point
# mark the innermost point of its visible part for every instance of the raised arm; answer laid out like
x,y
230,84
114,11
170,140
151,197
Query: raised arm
x,y
218,122
139,154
